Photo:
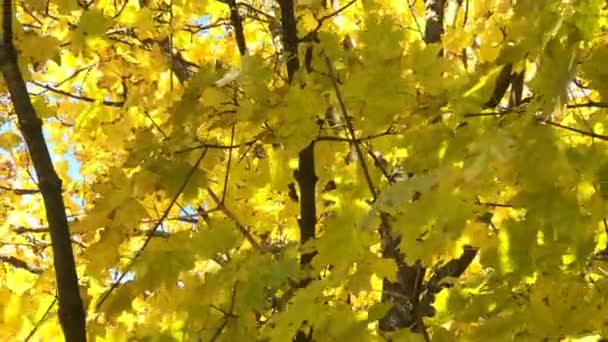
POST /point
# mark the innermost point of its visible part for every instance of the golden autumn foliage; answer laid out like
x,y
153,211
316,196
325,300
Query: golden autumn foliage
x,y
304,170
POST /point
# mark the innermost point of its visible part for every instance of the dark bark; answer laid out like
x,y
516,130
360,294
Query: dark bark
x,y
434,23
500,86
307,182
18,263
305,174
237,24
452,269
411,296
517,89
290,37
505,79
71,312
405,292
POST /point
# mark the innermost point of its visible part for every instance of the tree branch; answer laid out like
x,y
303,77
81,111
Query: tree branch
x,y
500,86
20,191
434,22
415,17
310,36
350,129
44,316
237,24
290,37
389,131
18,263
71,311
216,146
227,315
305,174
453,269
117,104
575,130
590,104
21,230
227,174
152,231
241,227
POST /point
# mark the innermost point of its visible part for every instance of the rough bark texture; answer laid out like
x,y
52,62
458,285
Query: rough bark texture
x,y
412,297
434,22
71,312
305,174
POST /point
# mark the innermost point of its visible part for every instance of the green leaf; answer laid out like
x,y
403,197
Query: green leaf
x,y
587,18
378,310
219,237
93,23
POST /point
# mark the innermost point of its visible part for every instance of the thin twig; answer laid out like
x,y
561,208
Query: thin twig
x,y
192,28
228,164
312,34
72,76
414,16
578,111
476,115
464,25
160,130
379,164
350,128
224,312
171,72
255,10
590,104
122,8
21,230
606,230
20,191
26,244
190,218
117,104
576,130
493,204
215,146
152,231
231,314
241,227
42,319
389,131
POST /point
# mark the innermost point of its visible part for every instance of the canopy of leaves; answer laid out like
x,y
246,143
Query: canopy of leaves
x,y
180,128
